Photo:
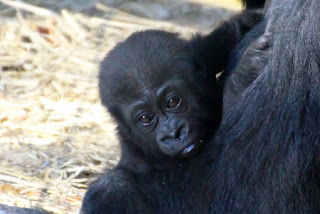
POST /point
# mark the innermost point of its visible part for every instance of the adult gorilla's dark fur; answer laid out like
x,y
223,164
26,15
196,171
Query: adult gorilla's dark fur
x,y
270,160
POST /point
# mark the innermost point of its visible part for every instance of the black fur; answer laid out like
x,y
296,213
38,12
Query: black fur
x,y
249,4
269,141
149,179
245,64
212,51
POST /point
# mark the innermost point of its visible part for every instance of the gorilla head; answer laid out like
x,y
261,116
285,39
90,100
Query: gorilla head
x,y
157,95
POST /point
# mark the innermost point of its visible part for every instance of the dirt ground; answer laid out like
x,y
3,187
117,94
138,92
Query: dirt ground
x,y
55,137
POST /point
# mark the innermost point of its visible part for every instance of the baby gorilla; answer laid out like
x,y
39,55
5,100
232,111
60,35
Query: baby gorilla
x,y
162,92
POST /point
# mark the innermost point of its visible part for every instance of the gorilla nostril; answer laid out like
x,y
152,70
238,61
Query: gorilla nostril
x,y
178,131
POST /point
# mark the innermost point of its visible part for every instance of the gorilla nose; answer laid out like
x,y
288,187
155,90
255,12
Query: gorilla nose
x,y
172,134
176,133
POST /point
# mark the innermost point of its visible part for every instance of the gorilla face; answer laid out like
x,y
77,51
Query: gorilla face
x,y
166,117
157,96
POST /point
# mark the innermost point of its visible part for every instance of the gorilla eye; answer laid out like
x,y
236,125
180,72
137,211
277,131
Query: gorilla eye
x,y
145,119
173,102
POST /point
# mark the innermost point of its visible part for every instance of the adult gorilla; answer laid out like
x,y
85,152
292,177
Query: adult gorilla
x,y
270,153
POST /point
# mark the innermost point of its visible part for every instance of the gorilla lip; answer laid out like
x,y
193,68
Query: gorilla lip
x,y
190,148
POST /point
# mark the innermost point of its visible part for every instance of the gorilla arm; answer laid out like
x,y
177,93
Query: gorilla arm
x,y
114,193
211,51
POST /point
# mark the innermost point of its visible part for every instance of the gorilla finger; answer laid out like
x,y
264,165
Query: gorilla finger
x,y
264,42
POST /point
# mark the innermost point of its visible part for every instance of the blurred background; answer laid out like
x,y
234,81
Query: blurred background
x,y
55,137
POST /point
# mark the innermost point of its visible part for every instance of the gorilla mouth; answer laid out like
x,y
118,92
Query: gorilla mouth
x,y
191,149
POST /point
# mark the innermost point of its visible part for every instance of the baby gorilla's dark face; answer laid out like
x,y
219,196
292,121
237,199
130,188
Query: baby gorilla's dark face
x,y
166,113
159,98
169,117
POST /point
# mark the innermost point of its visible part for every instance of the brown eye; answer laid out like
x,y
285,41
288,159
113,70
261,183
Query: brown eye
x,y
173,102
145,119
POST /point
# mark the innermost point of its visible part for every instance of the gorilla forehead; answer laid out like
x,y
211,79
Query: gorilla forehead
x,y
144,61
